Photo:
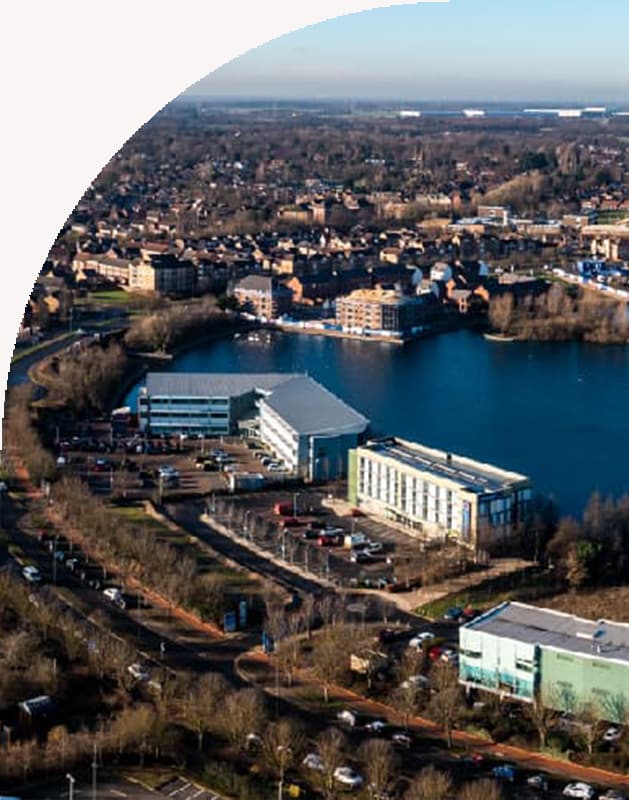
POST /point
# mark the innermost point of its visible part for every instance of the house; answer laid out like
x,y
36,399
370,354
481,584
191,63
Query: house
x,y
263,296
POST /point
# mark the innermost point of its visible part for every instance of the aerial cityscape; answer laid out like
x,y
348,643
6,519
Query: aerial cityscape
x,y
314,449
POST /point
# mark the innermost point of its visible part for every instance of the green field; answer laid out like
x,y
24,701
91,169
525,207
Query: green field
x,y
117,297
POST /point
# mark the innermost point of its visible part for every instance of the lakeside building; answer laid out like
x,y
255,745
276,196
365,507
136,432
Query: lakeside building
x,y
162,274
381,310
263,296
435,494
306,426
566,662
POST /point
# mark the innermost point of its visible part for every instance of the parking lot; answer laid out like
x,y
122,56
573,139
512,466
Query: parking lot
x,y
310,533
130,465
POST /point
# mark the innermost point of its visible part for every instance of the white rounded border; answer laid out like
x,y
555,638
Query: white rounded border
x,y
80,79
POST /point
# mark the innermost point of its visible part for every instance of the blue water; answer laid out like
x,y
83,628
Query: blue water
x,y
558,412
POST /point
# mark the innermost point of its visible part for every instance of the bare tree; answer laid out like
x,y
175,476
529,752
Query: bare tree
x,y
446,705
482,789
243,713
201,702
378,759
332,746
430,784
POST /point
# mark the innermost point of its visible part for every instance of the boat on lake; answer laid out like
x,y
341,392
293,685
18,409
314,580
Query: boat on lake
x,y
499,337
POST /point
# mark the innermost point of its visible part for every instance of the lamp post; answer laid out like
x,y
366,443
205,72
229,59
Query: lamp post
x,y
295,496
71,782
282,751
3,489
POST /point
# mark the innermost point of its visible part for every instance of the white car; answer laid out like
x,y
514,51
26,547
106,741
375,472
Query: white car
x,y
415,681
612,734
375,547
348,717
346,776
31,574
377,726
138,672
420,639
580,790
313,761
612,794
402,739
115,595
539,782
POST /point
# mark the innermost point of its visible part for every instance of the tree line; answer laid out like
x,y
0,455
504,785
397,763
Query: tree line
x,y
560,314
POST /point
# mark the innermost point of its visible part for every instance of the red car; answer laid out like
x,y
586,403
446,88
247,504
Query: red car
x,y
434,654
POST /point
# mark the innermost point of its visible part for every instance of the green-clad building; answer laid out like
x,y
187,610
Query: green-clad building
x,y
569,663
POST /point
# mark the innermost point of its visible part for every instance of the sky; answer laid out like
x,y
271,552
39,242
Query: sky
x,y
492,50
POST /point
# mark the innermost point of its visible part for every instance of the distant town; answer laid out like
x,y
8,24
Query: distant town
x,y
230,582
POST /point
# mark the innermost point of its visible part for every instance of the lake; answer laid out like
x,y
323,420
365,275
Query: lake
x,y
558,412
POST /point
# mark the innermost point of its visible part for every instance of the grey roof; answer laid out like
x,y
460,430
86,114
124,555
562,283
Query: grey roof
x,y
308,408
466,472
261,283
555,629
207,384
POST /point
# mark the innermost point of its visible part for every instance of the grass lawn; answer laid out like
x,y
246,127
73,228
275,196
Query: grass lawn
x,y
115,297
527,588
239,581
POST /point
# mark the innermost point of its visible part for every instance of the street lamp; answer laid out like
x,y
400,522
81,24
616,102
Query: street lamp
x,y
295,496
71,782
282,751
3,489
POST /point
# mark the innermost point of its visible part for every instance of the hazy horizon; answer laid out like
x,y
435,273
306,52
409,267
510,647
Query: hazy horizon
x,y
561,51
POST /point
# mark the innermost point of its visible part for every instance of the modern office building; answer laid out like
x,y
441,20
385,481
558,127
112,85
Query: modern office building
x,y
565,662
304,424
435,494
310,429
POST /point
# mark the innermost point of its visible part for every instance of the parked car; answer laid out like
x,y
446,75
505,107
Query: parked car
x,y
313,761
348,717
138,672
505,772
417,681
539,782
115,595
580,790
402,739
612,734
450,656
31,574
453,614
360,557
373,548
376,726
346,776
420,639
612,794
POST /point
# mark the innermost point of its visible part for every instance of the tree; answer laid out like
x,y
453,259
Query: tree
x,y
501,310
244,712
201,702
589,724
332,746
378,759
430,784
329,658
283,744
542,717
446,705
483,789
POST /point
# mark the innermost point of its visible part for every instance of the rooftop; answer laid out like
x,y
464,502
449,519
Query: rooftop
x,y
207,384
310,409
555,629
467,473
